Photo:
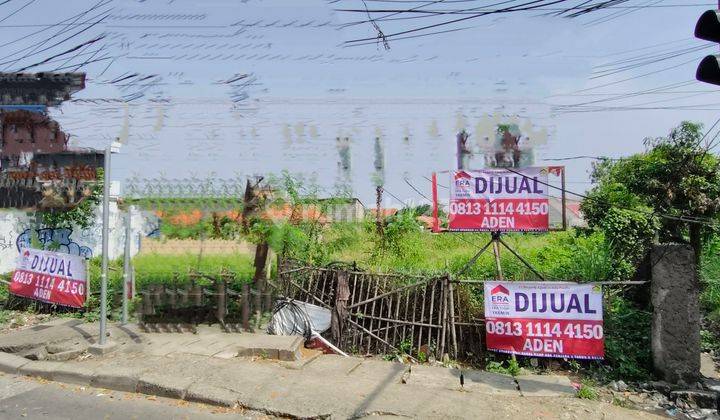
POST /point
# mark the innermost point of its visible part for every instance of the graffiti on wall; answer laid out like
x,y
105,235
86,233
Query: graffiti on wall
x,y
54,239
5,242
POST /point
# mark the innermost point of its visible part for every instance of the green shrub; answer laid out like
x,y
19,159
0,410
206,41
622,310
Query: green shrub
x,y
627,340
512,369
587,391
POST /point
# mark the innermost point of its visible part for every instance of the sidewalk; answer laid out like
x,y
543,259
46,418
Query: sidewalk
x,y
208,368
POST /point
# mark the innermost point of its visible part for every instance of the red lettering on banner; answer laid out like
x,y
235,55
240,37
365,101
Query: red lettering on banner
x,y
47,288
546,337
499,200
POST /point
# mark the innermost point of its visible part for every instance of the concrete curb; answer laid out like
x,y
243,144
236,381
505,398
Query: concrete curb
x,y
74,374
10,363
212,395
118,378
43,370
164,386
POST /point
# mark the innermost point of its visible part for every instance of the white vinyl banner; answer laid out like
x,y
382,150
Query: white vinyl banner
x,y
550,319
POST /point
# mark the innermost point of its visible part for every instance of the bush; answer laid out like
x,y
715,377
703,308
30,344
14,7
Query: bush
x,y
627,340
587,391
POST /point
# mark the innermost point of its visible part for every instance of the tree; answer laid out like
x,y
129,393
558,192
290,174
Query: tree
x,y
670,193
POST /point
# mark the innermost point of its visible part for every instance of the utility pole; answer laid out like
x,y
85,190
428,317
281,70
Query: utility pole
x,y
105,245
103,346
126,267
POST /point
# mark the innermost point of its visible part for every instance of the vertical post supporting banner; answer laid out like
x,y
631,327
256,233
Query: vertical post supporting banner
x,y
436,221
563,201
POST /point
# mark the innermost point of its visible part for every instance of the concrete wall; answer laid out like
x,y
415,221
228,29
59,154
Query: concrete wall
x,y
676,313
346,212
15,234
196,247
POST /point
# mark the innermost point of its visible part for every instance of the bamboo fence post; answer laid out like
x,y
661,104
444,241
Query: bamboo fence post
x,y
443,321
452,317
246,306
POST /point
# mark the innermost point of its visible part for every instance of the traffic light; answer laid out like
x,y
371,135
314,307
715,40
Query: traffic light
x,y
708,28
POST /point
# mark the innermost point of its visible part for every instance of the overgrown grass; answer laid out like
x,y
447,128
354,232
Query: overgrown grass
x,y
172,269
557,255
710,296
587,391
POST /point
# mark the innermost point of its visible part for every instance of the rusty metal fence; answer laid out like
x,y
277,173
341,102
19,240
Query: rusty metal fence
x,y
236,306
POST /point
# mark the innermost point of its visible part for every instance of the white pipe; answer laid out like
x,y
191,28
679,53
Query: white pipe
x,y
329,344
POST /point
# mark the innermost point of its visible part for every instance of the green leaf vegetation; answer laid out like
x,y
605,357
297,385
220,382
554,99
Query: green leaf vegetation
x,y
669,193
82,215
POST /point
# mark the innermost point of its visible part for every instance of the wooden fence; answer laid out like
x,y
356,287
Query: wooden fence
x,y
391,313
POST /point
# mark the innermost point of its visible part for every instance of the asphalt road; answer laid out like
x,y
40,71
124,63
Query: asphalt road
x,y
30,398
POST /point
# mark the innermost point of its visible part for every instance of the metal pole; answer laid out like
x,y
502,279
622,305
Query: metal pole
x,y
563,201
474,258
496,251
105,243
126,267
523,260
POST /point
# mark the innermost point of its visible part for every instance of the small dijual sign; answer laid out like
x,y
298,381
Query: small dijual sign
x,y
544,319
500,200
50,277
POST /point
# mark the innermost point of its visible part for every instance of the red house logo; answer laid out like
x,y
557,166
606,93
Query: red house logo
x,y
462,174
499,289
463,179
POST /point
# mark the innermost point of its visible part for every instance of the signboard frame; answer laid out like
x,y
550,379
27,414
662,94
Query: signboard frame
x,y
51,277
436,228
545,319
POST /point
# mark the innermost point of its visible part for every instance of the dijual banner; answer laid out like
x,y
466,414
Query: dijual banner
x,y
50,277
544,319
500,200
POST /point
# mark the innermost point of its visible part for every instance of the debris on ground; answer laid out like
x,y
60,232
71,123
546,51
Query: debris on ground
x,y
699,401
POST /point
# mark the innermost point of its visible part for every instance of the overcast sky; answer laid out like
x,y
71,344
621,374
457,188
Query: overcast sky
x,y
304,87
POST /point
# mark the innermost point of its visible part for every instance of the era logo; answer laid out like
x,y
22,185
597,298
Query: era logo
x,y
462,179
499,295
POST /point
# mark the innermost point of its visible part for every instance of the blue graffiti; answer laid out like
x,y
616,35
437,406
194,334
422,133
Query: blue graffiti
x,y
54,239
154,231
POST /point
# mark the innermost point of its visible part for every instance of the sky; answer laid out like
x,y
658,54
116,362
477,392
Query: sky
x,y
222,89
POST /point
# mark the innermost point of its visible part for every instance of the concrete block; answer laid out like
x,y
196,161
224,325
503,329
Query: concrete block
x,y
277,347
37,353
164,385
213,395
263,353
64,356
118,378
674,291
10,363
103,349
